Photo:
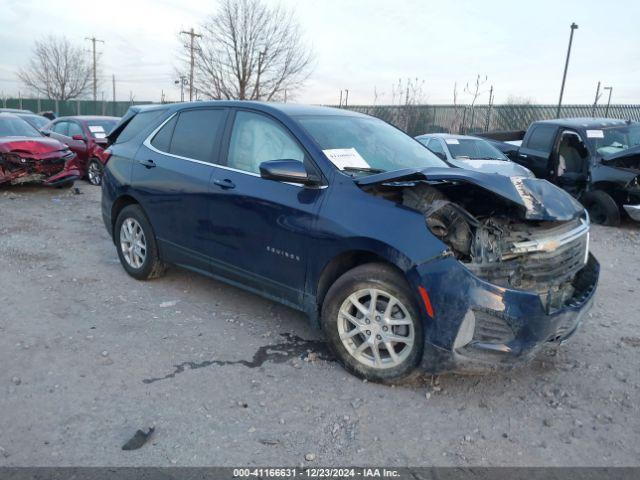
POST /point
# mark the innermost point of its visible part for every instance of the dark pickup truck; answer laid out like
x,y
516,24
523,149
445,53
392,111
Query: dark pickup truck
x,y
595,160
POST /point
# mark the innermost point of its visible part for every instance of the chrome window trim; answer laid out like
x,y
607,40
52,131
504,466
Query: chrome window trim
x,y
147,143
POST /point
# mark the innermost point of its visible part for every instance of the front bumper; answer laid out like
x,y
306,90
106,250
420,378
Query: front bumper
x,y
478,326
633,211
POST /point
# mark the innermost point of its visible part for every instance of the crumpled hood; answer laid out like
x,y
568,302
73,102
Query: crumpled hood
x,y
539,199
34,146
501,167
629,158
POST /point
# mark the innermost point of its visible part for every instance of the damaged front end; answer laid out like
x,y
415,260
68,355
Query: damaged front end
x,y
51,168
517,273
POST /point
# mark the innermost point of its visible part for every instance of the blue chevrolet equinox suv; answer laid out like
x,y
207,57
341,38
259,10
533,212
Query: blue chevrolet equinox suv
x,y
405,263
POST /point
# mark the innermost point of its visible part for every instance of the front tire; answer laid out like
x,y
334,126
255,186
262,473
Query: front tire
x,y
94,172
136,244
372,324
602,208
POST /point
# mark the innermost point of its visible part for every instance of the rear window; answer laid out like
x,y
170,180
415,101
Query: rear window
x,y
196,133
541,138
162,139
137,124
16,127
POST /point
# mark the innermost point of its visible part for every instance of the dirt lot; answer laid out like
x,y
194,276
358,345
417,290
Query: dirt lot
x,y
88,356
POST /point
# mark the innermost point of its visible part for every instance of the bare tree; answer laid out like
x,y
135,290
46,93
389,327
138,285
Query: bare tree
x,y
250,51
518,100
57,69
475,90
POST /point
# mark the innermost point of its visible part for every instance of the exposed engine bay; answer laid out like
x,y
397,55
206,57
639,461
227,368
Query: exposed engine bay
x,y
492,239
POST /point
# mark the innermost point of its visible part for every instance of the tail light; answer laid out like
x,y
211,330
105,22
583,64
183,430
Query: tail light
x,y
105,155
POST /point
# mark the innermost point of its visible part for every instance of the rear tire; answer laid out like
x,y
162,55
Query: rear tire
x,y
136,244
94,172
602,208
381,344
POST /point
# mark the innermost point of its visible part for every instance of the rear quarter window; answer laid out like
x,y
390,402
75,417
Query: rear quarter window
x,y
137,124
197,133
541,138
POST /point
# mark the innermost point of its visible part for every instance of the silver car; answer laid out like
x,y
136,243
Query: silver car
x,y
472,153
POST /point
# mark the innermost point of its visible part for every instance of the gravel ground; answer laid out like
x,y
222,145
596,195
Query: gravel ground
x,y
88,356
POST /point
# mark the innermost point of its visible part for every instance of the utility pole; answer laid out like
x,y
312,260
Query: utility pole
x,y
261,56
606,112
574,27
93,40
595,102
340,104
182,81
346,97
192,36
113,83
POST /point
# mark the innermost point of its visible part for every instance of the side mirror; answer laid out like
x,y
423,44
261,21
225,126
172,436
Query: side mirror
x,y
286,171
78,137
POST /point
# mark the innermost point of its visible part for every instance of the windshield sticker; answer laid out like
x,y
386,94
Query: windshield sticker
x,y
346,157
452,141
96,128
595,134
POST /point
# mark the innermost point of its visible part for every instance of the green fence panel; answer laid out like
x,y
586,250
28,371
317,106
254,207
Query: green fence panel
x,y
70,107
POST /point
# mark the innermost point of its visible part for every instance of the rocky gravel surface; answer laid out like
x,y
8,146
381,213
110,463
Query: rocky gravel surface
x,y
185,370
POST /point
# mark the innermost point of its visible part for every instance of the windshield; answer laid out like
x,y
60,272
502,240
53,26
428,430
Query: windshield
x,y
15,127
367,144
473,149
608,141
101,128
35,121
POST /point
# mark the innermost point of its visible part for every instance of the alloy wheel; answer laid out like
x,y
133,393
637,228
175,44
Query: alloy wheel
x,y
133,243
94,173
376,328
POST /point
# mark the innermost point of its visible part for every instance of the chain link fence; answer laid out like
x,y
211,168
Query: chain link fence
x,y
413,119
419,119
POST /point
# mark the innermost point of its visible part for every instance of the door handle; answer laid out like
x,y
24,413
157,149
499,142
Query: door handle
x,y
148,163
225,184
522,155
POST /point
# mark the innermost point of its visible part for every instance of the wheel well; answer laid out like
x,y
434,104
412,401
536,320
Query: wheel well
x,y
117,207
611,188
342,264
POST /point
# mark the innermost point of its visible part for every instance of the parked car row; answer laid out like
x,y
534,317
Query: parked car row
x,y
74,150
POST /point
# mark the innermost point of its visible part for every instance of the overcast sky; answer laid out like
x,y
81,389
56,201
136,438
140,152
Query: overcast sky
x,y
361,45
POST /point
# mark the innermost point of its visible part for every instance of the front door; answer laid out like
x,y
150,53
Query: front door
x,y
261,227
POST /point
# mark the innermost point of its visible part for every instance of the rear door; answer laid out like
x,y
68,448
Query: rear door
x,y
171,176
535,152
261,227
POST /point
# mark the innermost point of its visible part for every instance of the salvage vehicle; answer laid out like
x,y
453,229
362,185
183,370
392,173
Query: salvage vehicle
x,y
86,136
28,156
596,160
405,263
472,153
36,121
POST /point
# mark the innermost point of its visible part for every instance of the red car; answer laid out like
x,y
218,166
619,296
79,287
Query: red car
x,y
28,156
86,136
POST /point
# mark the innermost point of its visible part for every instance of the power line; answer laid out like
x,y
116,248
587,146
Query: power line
x,y
192,36
93,40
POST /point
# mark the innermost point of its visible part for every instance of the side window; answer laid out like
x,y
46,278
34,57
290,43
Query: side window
x,y
137,124
75,129
162,139
197,132
436,147
541,138
257,138
61,128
